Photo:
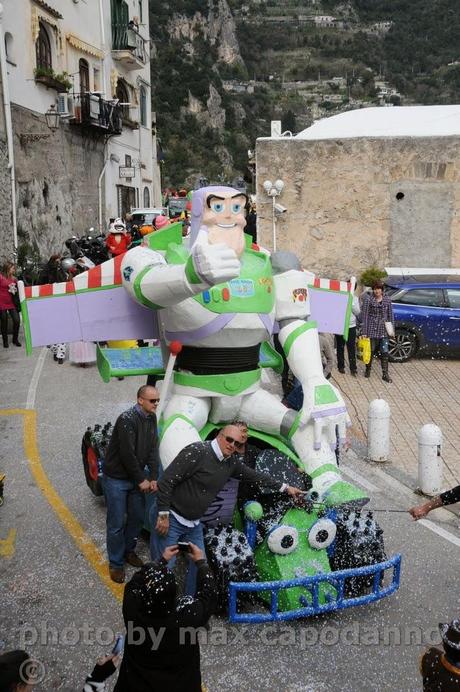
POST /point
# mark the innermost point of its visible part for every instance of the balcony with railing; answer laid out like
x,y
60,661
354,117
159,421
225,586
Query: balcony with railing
x,y
128,46
95,113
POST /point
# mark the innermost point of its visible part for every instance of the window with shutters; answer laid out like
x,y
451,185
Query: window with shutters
x,y
120,20
43,49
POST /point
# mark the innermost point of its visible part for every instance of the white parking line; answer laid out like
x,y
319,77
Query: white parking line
x,y
35,378
441,532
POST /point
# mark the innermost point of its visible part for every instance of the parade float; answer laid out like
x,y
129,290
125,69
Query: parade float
x,y
215,300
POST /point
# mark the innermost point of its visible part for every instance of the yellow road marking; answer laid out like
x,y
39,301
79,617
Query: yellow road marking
x,y
65,516
7,546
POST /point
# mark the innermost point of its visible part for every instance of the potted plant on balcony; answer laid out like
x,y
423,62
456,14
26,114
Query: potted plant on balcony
x,y
47,76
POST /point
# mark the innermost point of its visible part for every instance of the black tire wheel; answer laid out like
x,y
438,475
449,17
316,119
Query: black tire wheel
x,y
403,346
94,485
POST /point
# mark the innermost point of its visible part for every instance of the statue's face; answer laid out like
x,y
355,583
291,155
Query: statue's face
x,y
224,217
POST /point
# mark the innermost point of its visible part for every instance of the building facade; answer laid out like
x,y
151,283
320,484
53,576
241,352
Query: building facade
x,y
90,61
374,187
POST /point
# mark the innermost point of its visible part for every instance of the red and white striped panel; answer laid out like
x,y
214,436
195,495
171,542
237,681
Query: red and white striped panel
x,y
105,274
332,284
46,290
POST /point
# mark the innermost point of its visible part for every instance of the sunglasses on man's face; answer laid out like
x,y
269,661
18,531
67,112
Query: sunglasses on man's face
x,y
235,443
152,401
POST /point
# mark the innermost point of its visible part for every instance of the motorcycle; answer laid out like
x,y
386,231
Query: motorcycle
x,y
89,247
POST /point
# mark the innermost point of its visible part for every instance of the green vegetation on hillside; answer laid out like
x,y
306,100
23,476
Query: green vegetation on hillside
x,y
417,55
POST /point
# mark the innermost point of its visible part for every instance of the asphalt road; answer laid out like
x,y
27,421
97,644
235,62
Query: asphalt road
x,y
56,601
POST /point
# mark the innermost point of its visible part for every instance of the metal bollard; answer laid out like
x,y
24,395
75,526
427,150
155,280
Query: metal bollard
x,y
429,439
378,430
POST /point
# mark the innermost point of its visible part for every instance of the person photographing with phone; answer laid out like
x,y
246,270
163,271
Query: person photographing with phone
x,y
192,481
163,651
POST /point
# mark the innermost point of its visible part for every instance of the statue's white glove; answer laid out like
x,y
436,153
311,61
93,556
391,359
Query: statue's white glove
x,y
324,407
215,264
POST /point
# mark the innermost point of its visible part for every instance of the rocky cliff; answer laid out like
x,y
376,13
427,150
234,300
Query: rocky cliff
x,y
223,69
216,26
196,48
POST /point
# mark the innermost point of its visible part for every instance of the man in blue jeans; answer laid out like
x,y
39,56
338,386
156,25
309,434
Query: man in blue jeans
x,y
130,470
190,484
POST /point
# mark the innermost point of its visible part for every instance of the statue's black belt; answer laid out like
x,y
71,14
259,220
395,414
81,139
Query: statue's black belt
x,y
216,361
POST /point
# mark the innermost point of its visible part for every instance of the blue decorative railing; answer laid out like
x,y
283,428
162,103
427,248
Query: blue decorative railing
x,y
311,605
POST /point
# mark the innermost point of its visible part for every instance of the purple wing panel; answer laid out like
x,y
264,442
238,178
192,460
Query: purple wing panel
x,y
112,314
53,320
331,310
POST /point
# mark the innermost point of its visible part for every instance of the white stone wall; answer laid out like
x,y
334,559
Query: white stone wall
x,y
343,214
6,231
56,184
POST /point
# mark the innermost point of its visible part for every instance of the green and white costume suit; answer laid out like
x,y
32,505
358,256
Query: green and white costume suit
x,y
199,309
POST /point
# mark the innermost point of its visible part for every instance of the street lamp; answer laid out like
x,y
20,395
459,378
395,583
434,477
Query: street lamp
x,y
251,167
273,190
52,118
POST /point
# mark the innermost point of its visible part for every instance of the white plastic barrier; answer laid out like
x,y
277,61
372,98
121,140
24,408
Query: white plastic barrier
x,y
429,459
378,430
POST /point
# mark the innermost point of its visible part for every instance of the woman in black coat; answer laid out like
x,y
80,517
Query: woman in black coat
x,y
161,653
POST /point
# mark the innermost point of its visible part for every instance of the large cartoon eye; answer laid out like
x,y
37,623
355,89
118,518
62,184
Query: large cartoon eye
x,y
282,540
322,533
217,206
236,207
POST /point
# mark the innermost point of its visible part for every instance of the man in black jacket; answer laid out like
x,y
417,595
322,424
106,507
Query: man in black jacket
x,y
130,470
162,649
192,481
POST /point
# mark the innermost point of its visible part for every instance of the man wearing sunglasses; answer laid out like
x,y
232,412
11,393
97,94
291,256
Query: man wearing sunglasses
x,y
130,470
192,481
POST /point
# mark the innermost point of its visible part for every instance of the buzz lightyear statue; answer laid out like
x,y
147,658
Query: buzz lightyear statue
x,y
220,299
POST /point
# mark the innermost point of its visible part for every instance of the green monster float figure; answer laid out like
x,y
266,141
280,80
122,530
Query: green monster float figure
x,y
220,299
297,548
299,560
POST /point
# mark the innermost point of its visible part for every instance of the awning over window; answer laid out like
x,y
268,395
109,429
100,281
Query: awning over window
x,y
83,46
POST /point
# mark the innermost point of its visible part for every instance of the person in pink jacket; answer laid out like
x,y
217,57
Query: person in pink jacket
x,y
8,303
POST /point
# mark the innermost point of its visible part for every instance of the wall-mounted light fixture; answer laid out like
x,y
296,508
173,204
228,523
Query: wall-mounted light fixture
x,y
52,118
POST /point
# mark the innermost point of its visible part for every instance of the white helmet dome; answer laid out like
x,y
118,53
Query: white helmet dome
x,y
119,225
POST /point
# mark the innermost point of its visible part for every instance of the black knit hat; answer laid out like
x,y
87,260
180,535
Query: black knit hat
x,y
158,589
